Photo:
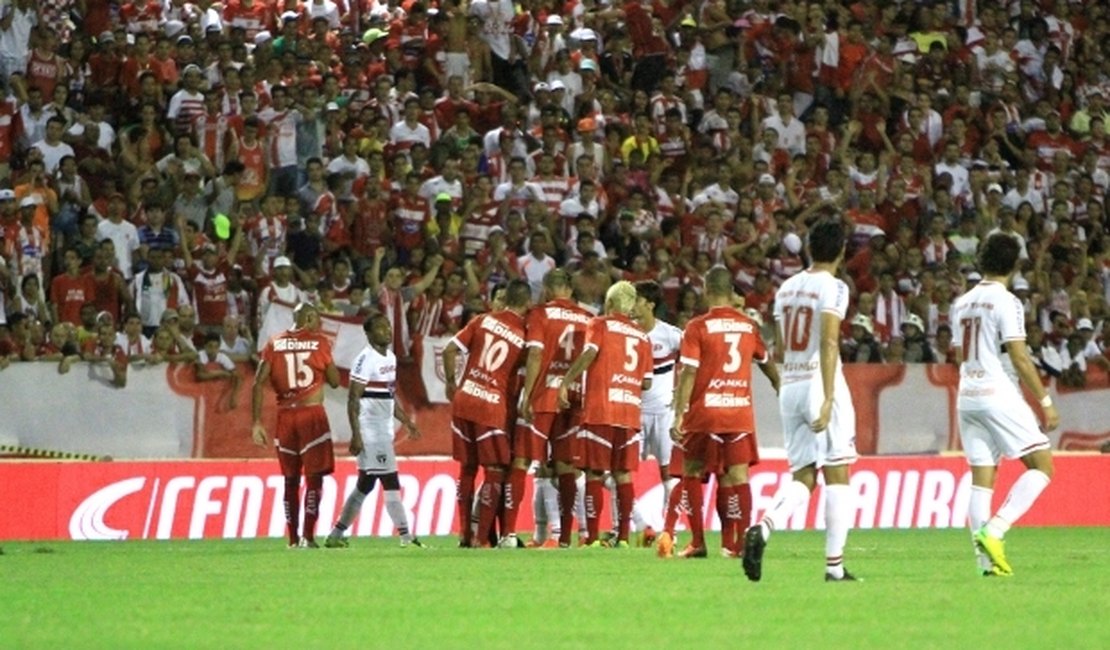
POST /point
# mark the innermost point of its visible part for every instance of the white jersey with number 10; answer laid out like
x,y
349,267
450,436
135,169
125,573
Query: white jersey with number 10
x,y
983,319
799,303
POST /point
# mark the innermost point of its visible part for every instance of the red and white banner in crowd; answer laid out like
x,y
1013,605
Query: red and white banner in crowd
x,y
242,499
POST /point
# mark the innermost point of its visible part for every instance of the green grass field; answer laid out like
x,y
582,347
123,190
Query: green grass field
x,y
920,591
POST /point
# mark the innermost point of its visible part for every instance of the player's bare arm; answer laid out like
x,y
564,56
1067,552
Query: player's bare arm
x,y
682,399
331,374
410,427
354,398
1027,372
261,378
771,371
450,358
830,349
531,374
573,373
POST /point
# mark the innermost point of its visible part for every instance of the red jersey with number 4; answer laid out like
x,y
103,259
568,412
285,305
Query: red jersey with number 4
x,y
613,389
298,359
558,329
721,346
493,344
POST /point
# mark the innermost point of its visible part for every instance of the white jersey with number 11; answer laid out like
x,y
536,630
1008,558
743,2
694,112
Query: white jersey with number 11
x,y
983,319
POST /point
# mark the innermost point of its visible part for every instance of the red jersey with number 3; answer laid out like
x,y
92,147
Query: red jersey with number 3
x,y
558,329
721,346
493,344
612,393
298,359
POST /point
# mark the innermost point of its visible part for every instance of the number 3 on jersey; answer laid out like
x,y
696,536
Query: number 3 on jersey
x,y
298,373
796,326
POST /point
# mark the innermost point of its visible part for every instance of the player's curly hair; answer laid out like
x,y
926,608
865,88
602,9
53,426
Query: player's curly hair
x,y
999,255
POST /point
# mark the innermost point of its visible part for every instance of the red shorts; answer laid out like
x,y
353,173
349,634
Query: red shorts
x,y
719,451
303,441
478,444
676,467
550,436
608,448
528,442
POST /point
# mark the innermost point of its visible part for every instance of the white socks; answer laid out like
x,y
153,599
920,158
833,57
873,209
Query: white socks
x,y
1021,497
787,500
978,512
839,514
396,512
668,486
351,508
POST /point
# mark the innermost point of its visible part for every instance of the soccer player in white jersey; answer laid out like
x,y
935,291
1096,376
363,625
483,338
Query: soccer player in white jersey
x,y
995,420
818,419
371,408
656,412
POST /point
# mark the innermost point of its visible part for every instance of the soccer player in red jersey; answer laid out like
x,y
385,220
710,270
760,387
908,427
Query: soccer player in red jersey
x,y
618,359
480,405
296,363
556,334
714,418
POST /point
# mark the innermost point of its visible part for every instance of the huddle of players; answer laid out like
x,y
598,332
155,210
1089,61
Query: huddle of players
x,y
581,407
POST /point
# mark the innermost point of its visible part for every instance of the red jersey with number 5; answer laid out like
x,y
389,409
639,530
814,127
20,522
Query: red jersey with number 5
x,y
721,346
558,328
799,303
493,344
612,392
297,361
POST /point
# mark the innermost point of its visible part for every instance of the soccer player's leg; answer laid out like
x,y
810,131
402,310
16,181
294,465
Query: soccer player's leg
x,y
982,456
352,506
318,458
625,462
738,452
464,450
287,445
697,446
493,455
675,503
597,452
836,453
1016,432
563,437
528,444
391,485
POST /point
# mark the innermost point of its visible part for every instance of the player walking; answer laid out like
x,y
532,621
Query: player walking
x,y
494,344
556,334
295,364
617,356
371,409
818,419
718,349
995,420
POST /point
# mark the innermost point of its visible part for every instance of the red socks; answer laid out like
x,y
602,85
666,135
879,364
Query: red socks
x,y
625,499
675,504
514,495
744,493
568,493
594,498
314,485
465,491
697,519
725,500
292,500
489,499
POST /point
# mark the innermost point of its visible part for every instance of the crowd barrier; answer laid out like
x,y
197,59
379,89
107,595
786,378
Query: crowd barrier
x,y
242,499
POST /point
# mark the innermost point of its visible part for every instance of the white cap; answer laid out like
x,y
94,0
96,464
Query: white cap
x,y
994,187
173,28
557,85
864,321
974,276
1084,324
554,19
192,67
915,320
584,34
792,242
263,37
587,64
290,15
766,178
282,261
1020,284
7,195
332,106
29,202
541,86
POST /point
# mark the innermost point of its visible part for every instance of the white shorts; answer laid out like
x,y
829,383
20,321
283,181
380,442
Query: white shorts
x,y
1009,430
799,406
377,456
657,436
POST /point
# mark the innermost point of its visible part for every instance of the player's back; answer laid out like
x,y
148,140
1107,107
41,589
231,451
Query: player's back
x,y
493,343
985,318
665,340
799,303
558,328
722,344
298,360
613,389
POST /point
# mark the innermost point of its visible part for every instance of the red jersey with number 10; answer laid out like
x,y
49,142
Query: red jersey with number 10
x,y
297,361
721,345
558,328
613,390
493,344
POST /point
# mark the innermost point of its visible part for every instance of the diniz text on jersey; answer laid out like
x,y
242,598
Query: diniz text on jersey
x,y
294,345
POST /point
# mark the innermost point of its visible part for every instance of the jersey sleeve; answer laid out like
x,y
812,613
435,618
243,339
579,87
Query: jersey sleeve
x,y
647,364
759,346
1011,316
834,299
954,319
595,333
360,370
461,341
690,348
322,358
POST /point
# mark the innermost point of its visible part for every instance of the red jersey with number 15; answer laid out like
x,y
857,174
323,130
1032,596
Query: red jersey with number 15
x,y
297,361
721,346
558,329
612,393
493,344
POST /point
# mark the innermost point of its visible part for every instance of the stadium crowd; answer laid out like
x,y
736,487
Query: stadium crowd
x,y
172,169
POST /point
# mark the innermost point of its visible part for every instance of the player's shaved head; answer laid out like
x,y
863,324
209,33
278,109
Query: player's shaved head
x,y
556,280
517,294
718,282
1000,255
621,298
303,312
